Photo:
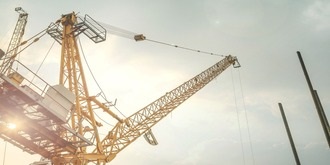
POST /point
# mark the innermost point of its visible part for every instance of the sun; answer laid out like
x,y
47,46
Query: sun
x,y
11,125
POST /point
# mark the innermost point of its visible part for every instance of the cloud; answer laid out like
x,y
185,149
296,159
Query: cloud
x,y
318,15
314,145
203,130
248,18
211,152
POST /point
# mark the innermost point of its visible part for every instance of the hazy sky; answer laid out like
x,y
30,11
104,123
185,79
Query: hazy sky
x,y
212,127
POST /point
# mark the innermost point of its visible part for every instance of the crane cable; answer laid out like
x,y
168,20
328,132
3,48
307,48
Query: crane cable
x,y
82,51
42,61
139,37
24,42
246,117
102,92
238,120
186,48
9,61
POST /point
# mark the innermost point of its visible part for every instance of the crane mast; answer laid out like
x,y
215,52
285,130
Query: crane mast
x,y
61,118
16,39
73,77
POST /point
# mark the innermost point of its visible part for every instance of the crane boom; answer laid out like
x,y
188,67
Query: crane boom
x,y
16,39
124,133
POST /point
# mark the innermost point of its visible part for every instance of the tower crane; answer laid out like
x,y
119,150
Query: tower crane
x,y
16,38
62,126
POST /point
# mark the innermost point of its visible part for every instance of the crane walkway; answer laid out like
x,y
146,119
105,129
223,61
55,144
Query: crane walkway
x,y
40,112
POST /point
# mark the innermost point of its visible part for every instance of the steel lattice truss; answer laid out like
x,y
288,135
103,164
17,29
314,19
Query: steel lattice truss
x,y
137,124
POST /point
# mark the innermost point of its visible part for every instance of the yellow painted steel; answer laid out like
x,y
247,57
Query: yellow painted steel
x,y
72,76
125,131
15,41
140,122
78,141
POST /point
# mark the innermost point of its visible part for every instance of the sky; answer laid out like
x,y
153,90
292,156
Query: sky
x,y
235,119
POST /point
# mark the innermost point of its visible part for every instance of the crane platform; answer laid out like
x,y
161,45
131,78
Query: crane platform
x,y
40,112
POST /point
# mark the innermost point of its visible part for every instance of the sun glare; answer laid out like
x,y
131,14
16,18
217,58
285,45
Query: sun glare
x,y
11,125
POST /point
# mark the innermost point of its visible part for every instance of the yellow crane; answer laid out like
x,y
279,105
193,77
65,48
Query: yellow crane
x,y
58,121
16,39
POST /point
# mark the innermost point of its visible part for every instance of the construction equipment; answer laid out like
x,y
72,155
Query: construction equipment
x,y
15,41
61,118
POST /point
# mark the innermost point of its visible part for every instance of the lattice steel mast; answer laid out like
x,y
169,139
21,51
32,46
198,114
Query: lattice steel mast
x,y
15,41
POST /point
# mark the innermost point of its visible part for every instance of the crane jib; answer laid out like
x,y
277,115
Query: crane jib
x,y
140,122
